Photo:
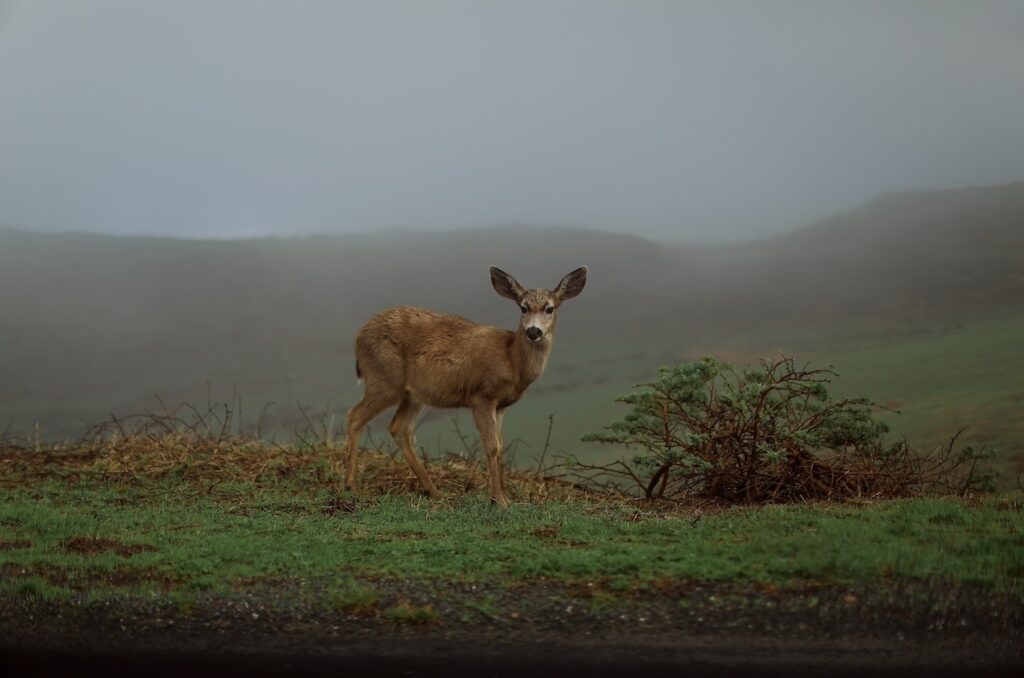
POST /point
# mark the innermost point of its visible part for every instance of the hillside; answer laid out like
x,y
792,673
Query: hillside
x,y
942,255
92,324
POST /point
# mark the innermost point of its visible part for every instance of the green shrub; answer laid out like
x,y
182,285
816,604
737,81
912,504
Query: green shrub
x,y
772,433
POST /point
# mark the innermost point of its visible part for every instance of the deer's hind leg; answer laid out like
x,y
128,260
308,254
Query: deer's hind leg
x,y
375,400
401,431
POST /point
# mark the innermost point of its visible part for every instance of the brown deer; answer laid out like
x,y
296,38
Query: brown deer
x,y
413,358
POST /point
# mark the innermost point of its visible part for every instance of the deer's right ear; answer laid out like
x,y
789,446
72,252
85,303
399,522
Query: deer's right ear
x,y
506,285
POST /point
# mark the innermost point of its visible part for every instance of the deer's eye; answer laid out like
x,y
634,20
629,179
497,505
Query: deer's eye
x,y
524,309
549,310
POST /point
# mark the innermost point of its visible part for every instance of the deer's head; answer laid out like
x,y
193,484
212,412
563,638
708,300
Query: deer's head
x,y
538,308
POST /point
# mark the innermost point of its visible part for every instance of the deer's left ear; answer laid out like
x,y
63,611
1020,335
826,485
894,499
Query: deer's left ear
x,y
572,284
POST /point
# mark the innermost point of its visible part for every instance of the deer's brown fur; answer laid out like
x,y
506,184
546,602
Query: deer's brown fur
x,y
411,357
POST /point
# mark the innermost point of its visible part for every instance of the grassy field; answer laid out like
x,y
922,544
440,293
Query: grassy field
x,y
155,544
968,376
79,534
75,539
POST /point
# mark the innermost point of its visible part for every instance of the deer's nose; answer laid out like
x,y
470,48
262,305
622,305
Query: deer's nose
x,y
533,333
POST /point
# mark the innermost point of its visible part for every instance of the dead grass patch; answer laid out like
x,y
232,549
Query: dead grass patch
x,y
93,546
9,544
212,463
84,579
552,534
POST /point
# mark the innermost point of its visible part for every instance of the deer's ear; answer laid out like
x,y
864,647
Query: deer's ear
x,y
572,284
506,285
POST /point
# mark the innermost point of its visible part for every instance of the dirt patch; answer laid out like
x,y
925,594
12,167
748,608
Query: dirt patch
x,y
21,467
338,505
548,532
551,534
92,546
90,578
269,586
8,544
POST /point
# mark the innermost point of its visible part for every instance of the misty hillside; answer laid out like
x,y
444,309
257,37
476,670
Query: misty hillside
x,y
919,255
92,324
940,249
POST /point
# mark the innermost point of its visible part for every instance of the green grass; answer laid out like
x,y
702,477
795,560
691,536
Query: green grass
x,y
413,615
349,595
970,376
217,543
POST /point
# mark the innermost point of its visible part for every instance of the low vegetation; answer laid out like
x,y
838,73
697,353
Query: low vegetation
x,y
141,516
773,433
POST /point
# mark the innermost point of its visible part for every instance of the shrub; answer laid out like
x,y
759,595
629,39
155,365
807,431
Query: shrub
x,y
705,430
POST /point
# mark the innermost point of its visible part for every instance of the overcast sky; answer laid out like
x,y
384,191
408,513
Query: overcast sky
x,y
690,120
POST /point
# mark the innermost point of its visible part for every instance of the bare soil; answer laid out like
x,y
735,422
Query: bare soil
x,y
91,546
8,544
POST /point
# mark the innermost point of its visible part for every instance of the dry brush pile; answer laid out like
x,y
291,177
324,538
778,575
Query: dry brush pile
x,y
711,433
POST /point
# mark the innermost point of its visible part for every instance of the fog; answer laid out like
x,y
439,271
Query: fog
x,y
689,121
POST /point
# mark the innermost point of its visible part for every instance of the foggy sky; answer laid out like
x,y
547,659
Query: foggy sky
x,y
684,120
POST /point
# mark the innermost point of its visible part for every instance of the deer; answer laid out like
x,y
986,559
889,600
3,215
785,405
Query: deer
x,y
412,358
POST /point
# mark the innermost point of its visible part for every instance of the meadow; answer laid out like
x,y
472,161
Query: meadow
x,y
68,541
76,534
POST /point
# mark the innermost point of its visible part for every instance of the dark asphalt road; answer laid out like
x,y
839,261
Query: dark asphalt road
x,y
425,656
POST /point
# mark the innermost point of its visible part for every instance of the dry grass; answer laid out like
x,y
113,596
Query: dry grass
x,y
194,453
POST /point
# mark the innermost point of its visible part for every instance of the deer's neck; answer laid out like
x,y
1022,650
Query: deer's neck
x,y
530,357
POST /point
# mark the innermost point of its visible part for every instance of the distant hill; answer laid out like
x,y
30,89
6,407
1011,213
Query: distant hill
x,y
927,254
942,249
91,324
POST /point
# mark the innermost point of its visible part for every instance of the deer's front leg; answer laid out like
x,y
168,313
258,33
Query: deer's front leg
x,y
499,418
486,418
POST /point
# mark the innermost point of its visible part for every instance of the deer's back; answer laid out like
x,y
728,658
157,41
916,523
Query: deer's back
x,y
438,357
